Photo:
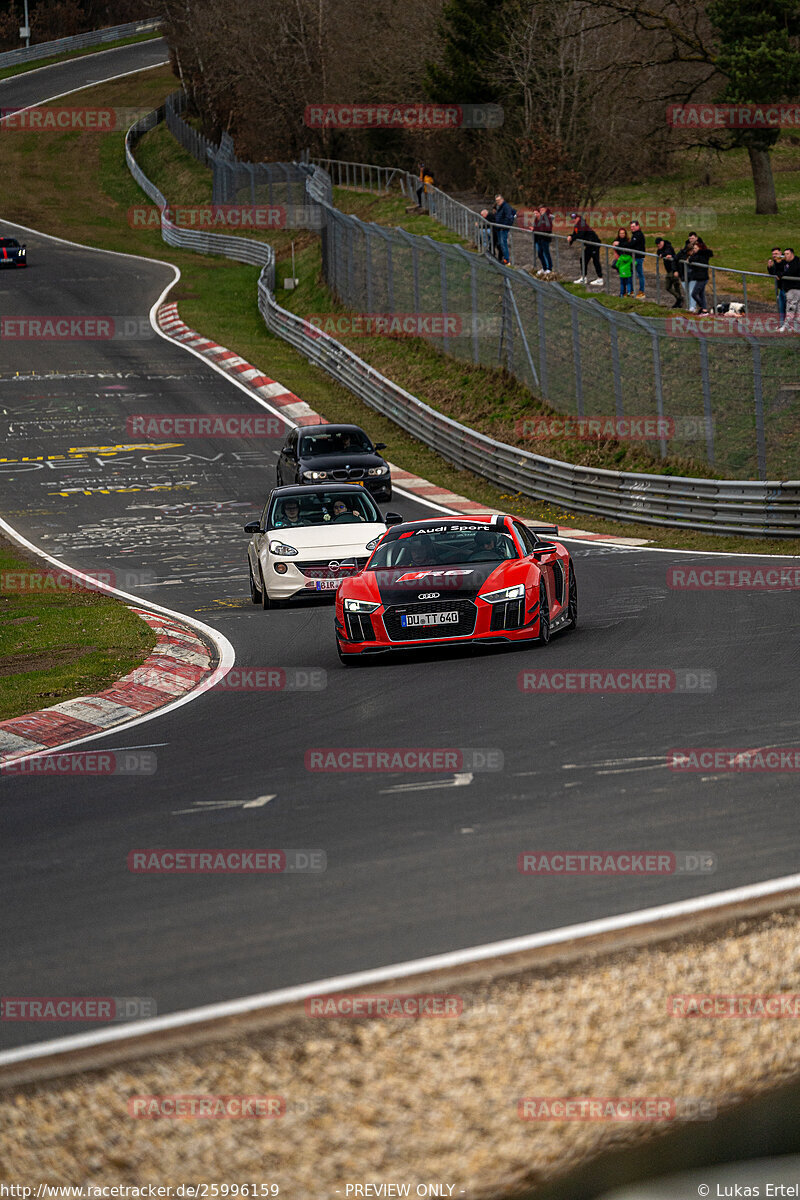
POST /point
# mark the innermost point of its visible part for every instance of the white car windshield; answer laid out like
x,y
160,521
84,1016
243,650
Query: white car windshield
x,y
329,507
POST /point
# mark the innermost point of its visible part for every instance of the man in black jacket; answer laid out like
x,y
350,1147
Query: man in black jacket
x,y
636,243
588,241
504,216
790,285
666,252
776,266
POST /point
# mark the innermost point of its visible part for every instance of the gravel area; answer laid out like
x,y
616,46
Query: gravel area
x,y
431,1101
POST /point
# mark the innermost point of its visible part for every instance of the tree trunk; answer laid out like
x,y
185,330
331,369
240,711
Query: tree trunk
x,y
761,165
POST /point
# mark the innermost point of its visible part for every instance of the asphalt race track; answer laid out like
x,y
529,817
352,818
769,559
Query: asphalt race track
x,y
46,83
416,863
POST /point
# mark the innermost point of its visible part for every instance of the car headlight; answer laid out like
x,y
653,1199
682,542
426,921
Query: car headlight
x,y
360,606
511,593
315,474
371,545
378,471
282,550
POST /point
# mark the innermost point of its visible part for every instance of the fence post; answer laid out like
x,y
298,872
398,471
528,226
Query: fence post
x,y
351,255
576,358
368,264
656,377
443,283
521,329
758,397
389,272
542,341
473,290
706,399
616,367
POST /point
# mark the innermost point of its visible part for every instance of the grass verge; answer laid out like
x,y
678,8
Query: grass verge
x,y
57,641
218,297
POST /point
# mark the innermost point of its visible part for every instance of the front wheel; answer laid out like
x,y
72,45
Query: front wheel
x,y
572,600
544,615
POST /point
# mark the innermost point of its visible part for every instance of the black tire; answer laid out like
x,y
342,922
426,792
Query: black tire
x,y
255,595
544,615
572,600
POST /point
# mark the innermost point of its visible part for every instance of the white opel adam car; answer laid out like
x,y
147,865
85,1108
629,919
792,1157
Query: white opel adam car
x,y
311,538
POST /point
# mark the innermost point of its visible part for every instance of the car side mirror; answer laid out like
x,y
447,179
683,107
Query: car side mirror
x,y
380,445
393,519
253,527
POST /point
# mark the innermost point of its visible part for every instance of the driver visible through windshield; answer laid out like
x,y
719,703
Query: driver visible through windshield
x,y
329,507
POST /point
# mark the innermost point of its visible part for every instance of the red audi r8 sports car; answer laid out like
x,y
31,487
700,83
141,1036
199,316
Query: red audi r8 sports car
x,y
455,579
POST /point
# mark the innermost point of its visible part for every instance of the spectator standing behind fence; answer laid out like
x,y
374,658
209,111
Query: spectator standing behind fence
x,y
666,252
542,231
776,266
589,249
425,186
420,184
489,215
623,262
681,261
790,285
637,245
698,259
504,216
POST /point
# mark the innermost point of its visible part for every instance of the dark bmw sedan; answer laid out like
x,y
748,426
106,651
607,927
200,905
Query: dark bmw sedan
x,y
335,454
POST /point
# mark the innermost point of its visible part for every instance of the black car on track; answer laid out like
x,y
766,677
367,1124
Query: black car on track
x,y
12,254
335,454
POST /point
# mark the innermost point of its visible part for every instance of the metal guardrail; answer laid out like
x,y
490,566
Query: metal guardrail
x,y
95,37
720,506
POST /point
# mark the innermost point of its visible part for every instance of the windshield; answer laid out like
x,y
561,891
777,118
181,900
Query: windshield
x,y
423,548
351,441
329,507
10,243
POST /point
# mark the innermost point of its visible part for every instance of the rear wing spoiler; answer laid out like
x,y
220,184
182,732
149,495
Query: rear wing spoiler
x,y
544,531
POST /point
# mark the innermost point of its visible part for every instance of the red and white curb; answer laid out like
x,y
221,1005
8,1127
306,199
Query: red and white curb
x,y
179,662
297,412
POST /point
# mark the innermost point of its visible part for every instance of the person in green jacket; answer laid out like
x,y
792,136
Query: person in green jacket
x,y
623,262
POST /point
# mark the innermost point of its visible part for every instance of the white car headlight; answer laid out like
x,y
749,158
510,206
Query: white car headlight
x,y
360,606
512,593
282,550
377,470
371,545
315,474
